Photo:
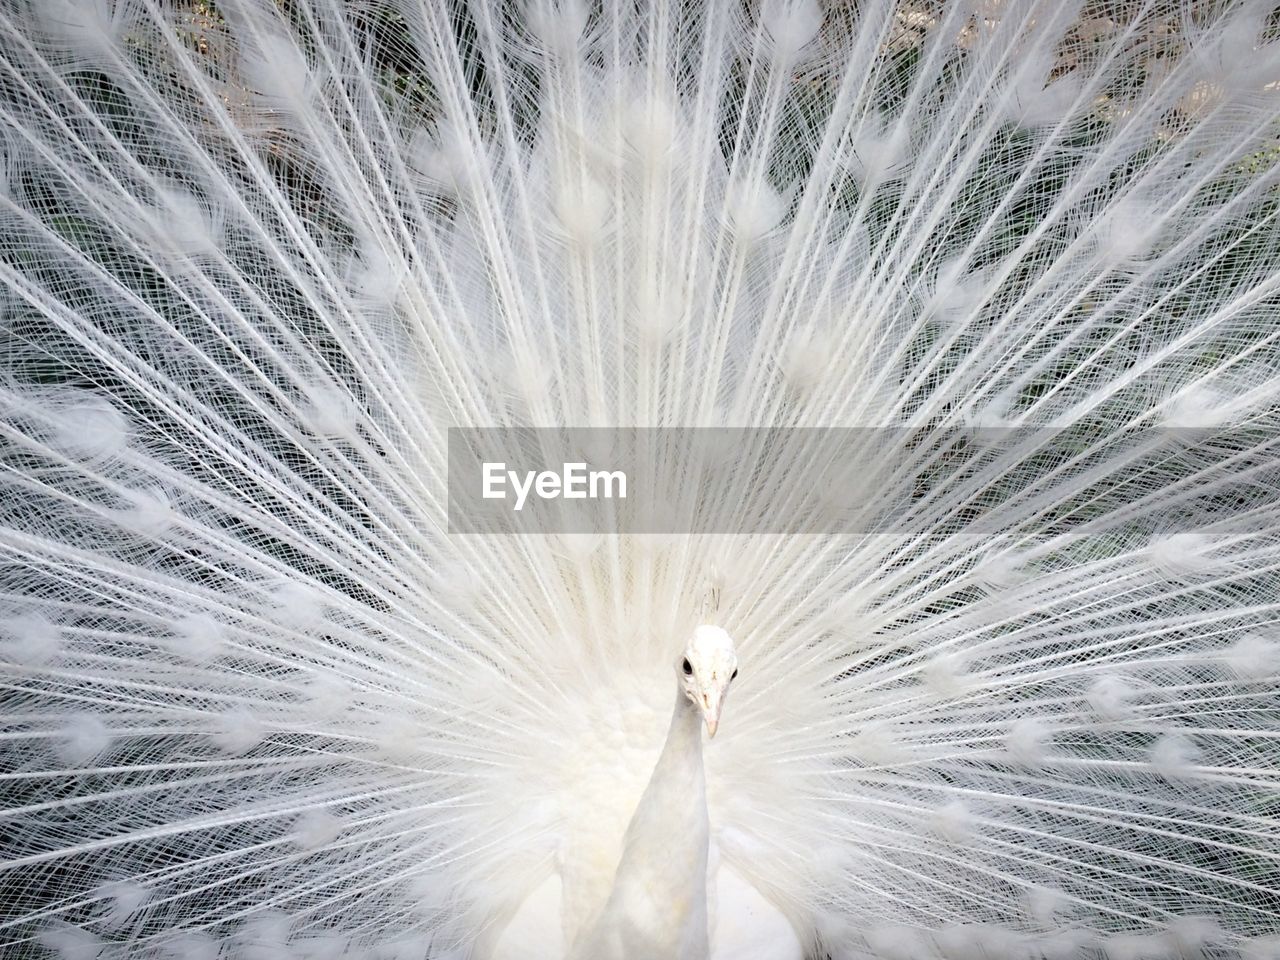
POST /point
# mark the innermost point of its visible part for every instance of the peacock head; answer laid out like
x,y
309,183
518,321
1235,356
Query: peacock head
x,y
707,668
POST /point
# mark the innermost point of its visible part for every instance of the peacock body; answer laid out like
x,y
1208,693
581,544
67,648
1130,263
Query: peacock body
x,y
259,257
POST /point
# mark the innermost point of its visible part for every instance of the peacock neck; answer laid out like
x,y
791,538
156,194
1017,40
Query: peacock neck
x,y
678,772
657,909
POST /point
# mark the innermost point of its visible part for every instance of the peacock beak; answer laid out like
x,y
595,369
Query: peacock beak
x,y
711,703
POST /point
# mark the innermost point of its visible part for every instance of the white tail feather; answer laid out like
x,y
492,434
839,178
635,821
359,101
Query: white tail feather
x,y
259,257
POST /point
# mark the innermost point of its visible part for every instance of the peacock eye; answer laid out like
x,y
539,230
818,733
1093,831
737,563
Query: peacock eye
x,y
687,667
734,677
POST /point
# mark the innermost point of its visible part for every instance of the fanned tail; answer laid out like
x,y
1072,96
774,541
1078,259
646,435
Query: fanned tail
x,y
259,258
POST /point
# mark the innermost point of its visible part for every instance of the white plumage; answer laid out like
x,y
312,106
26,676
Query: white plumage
x,y
259,256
